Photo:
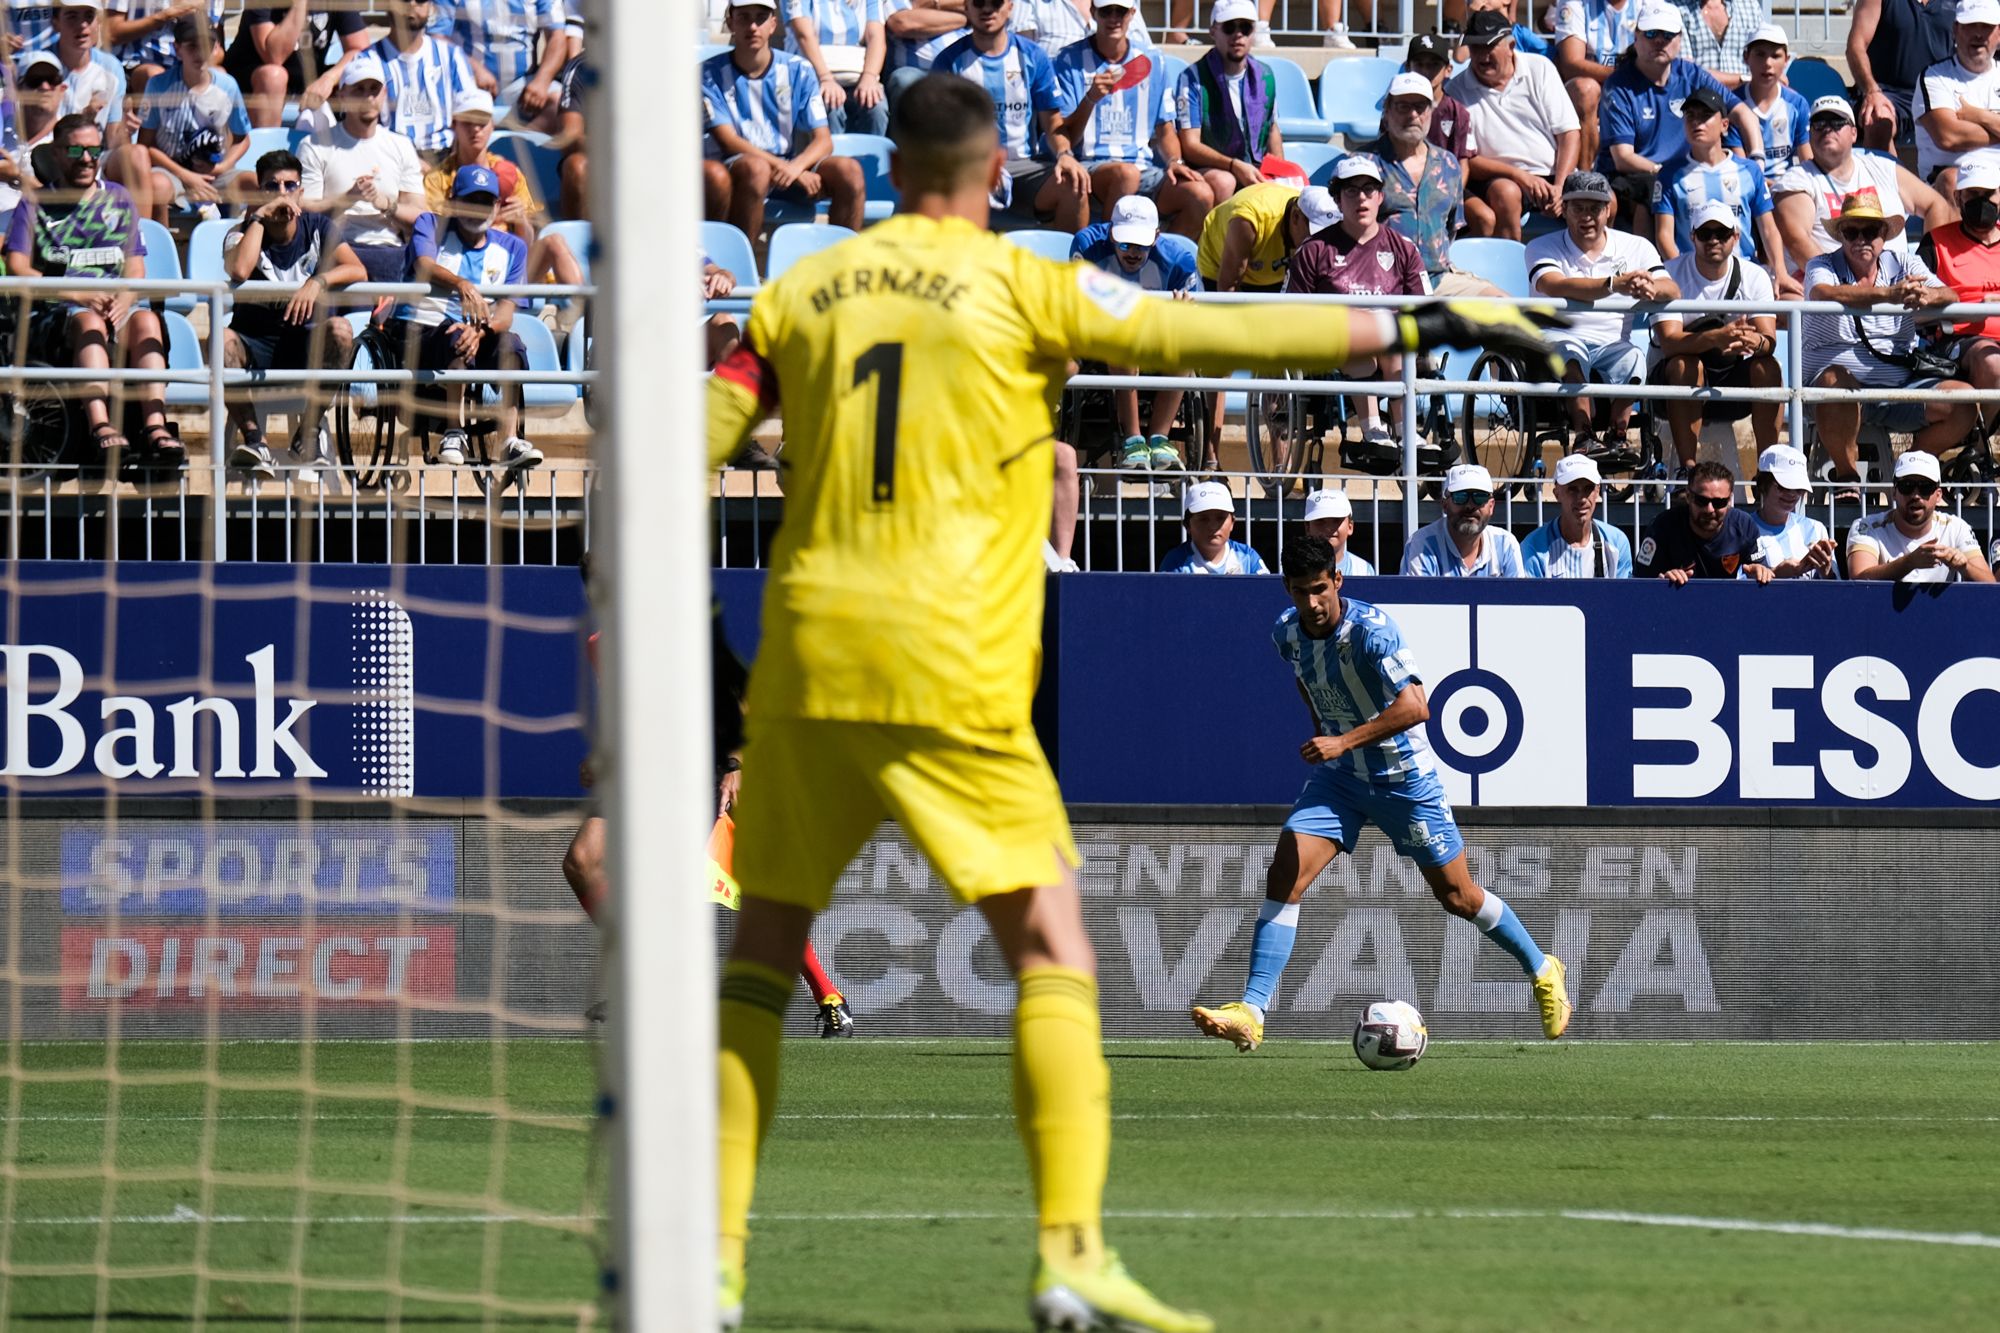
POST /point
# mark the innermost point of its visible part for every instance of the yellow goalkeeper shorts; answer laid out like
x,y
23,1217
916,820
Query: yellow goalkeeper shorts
x,y
982,805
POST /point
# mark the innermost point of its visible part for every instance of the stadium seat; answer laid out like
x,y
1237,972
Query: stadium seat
x,y
1351,93
541,164
1502,262
795,240
1174,67
163,260
725,245
362,396
1812,79
183,353
270,139
710,50
1044,242
205,250
872,152
1317,160
1299,120
577,236
540,343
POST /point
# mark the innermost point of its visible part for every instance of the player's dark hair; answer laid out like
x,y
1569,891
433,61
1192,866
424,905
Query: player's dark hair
x,y
275,161
66,128
1305,556
944,129
1710,470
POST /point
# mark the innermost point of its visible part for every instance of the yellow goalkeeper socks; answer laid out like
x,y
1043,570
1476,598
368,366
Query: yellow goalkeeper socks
x,y
1062,1104
752,1014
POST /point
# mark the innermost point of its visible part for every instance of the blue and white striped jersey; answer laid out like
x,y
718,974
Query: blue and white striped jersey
x,y
1606,32
1547,554
1432,554
1683,185
1352,564
919,55
34,23
778,113
1021,82
1236,558
193,122
1122,125
1784,127
422,88
1054,24
1351,676
835,22
1789,540
1171,267
500,34
158,48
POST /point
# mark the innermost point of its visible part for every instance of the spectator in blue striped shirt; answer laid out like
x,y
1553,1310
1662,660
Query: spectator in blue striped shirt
x,y
425,78
500,37
1459,543
140,32
32,24
195,126
1330,517
1044,181
918,32
843,41
1793,544
1209,510
1576,544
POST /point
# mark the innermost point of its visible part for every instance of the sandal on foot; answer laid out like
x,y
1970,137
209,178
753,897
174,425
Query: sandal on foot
x,y
108,438
162,444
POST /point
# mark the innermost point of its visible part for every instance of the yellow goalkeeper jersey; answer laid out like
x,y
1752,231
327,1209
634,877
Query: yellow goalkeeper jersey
x,y
917,367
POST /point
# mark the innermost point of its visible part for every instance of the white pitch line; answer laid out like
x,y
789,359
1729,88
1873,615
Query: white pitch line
x,y
376,1117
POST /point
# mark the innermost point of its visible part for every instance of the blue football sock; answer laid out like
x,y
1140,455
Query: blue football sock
x,y
1270,949
1505,929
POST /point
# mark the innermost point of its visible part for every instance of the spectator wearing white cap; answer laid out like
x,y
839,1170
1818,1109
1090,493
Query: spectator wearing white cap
x,y
38,84
1054,24
1705,172
1968,262
1890,43
1125,136
1576,544
1781,113
1131,246
1793,544
1523,124
1330,517
1957,101
1430,57
844,42
1226,108
1423,185
1720,351
1043,181
1811,194
1588,261
1590,36
1209,511
1459,543
1913,540
365,174
1717,33
1704,536
1358,256
1874,351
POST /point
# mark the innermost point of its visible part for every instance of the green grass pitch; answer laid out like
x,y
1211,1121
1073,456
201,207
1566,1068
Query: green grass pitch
x,y
1497,1186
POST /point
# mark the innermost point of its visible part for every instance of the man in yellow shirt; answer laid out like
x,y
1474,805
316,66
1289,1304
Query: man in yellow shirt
x,y
1248,237
918,365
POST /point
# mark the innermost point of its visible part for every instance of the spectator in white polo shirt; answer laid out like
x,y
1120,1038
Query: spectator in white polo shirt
x,y
1576,544
1810,196
1524,127
1209,511
1718,351
1459,543
1957,101
1588,261
1330,517
1793,544
1913,541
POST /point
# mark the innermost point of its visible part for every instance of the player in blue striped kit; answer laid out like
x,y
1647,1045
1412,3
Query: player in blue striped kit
x,y
1370,764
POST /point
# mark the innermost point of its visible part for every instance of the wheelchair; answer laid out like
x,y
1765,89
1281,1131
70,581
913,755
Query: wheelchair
x,y
1288,434
383,422
1506,432
43,425
1087,422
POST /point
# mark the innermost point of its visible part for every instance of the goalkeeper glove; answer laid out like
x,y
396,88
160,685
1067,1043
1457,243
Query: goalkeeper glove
x,y
1512,331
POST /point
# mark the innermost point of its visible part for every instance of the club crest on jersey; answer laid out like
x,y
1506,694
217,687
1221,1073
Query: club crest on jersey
x,y
1384,260
1115,298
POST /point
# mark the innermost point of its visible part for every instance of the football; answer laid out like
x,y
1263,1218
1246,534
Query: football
x,y
1390,1035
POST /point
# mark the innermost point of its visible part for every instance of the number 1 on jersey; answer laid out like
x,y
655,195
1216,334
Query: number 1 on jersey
x,y
884,363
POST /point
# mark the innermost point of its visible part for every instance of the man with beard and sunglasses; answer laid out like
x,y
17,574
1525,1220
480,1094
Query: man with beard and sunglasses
x,y
1704,537
1913,541
1459,543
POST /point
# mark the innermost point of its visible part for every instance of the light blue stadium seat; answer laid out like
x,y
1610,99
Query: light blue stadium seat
x,y
540,345
163,260
205,250
535,137
1812,79
1044,242
1502,262
710,50
363,396
872,152
725,245
270,139
1174,67
1299,119
184,353
1317,160
1351,93
795,240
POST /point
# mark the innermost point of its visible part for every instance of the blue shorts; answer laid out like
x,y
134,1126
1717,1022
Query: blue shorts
x,y
1416,816
1616,362
1901,418
1150,174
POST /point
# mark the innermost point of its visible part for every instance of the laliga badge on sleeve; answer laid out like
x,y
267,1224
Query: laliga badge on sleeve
x,y
1114,297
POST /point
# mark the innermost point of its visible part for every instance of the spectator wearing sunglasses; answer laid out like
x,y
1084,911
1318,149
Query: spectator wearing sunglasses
x,y
1968,262
1958,99
1576,544
1858,350
27,123
1226,109
1460,543
1703,537
1055,24
1810,195
1794,544
1707,173
1044,181
1913,541
1717,351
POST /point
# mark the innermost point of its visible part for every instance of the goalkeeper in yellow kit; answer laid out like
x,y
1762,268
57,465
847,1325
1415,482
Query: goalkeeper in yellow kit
x,y
917,366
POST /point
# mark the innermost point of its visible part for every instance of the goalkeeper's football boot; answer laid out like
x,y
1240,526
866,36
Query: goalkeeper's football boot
x,y
1552,995
834,1019
729,1298
1105,1299
1235,1021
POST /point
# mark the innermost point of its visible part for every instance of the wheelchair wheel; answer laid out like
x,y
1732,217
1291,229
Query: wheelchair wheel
x,y
37,427
372,422
1275,425
1193,430
1496,429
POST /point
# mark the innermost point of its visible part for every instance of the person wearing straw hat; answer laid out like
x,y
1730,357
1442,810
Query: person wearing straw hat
x,y
1209,510
1719,350
1793,544
1874,351
1913,540
1330,517
1576,544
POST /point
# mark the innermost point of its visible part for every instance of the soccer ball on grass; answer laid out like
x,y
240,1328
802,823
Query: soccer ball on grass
x,y
1390,1035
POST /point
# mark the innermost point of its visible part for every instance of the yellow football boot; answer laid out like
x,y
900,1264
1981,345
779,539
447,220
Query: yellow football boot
x,y
1552,994
1103,1300
1235,1021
